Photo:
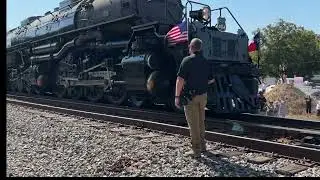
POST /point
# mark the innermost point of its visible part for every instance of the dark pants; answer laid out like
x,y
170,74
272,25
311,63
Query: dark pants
x,y
262,105
308,109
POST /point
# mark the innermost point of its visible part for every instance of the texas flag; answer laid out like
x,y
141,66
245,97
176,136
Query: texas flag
x,y
252,47
255,44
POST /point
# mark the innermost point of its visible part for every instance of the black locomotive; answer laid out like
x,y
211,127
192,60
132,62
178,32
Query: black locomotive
x,y
118,50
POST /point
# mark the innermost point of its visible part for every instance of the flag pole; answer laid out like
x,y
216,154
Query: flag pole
x,y
257,41
258,57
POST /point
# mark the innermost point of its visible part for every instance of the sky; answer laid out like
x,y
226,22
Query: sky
x,y
251,14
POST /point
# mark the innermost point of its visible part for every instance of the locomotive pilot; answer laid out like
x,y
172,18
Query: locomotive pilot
x,y
194,75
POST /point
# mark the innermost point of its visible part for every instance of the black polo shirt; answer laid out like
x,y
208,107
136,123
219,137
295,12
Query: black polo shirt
x,y
196,71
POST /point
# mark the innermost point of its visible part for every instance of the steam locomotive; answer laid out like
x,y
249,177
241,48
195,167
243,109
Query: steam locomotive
x,y
118,50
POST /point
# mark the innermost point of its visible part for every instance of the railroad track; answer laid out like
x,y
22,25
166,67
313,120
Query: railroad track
x,y
245,117
277,121
248,128
159,121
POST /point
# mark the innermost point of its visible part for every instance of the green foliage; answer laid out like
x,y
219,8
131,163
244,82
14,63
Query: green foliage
x,y
286,44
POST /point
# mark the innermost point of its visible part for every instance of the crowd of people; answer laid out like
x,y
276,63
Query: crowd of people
x,y
277,108
280,109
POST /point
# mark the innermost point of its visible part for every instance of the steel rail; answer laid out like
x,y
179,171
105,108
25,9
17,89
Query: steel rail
x,y
102,108
250,143
306,127
242,128
277,121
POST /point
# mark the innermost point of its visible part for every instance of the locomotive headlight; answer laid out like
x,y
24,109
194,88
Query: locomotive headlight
x,y
201,15
206,14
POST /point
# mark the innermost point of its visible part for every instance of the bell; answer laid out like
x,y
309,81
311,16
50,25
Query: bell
x,y
221,24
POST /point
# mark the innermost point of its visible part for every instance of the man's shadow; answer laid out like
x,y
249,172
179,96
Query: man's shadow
x,y
218,165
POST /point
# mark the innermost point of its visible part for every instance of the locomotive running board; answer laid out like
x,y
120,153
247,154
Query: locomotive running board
x,y
145,26
73,31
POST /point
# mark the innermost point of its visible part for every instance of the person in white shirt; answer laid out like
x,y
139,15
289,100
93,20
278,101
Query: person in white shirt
x,y
283,110
276,107
318,108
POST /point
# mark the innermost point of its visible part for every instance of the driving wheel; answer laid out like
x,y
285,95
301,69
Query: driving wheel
x,y
117,95
94,93
61,91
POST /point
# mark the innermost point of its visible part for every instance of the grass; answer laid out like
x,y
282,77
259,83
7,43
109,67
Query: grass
x,y
304,117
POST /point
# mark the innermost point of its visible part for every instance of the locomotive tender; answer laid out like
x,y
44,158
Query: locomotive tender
x,y
118,50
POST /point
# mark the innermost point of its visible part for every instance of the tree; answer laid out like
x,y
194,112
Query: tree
x,y
286,44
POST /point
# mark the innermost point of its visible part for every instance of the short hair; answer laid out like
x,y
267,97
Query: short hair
x,y
196,43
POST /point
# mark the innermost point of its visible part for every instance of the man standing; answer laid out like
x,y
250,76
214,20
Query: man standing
x,y
193,77
308,104
262,101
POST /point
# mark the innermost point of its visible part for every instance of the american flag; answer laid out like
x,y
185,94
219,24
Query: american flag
x,y
178,34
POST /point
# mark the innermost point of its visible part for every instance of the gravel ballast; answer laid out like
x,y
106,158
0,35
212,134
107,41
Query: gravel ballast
x,y
42,143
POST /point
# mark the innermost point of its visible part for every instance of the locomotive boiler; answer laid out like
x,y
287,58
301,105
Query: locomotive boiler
x,y
118,50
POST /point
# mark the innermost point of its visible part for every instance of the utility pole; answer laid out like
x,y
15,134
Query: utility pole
x,y
258,58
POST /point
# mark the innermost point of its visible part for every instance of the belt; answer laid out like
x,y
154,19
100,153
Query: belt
x,y
197,92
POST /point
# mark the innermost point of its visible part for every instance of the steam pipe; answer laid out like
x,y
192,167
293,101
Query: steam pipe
x,y
118,82
72,44
57,55
21,55
45,48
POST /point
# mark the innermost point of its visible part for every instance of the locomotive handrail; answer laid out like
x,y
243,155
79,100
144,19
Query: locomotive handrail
x,y
190,2
193,2
231,16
